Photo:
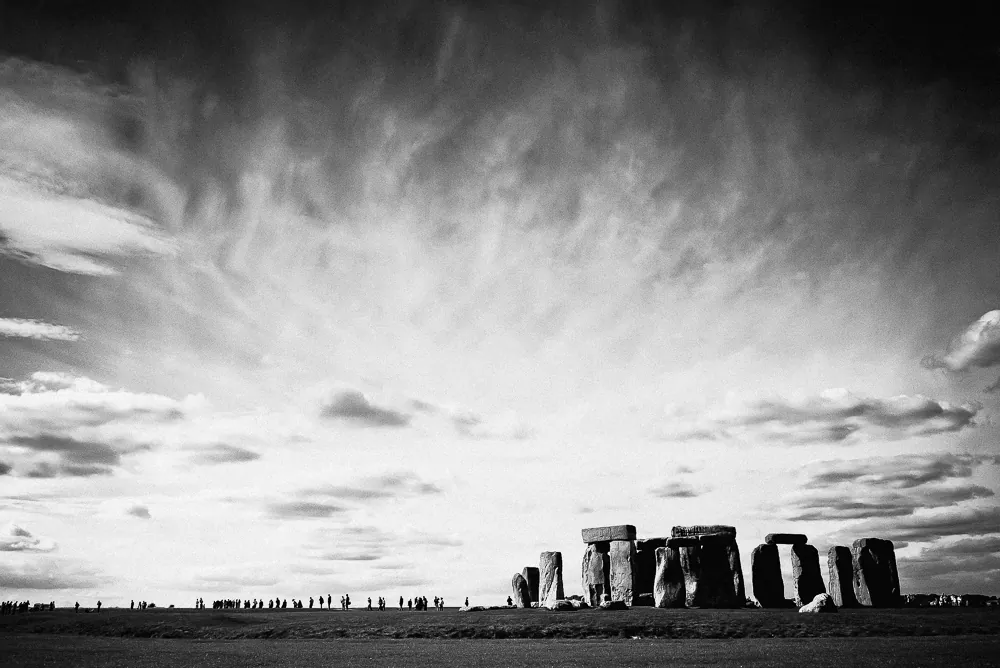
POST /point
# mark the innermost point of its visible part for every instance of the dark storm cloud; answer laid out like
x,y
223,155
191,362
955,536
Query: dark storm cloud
x,y
398,485
225,454
921,528
969,565
304,510
76,457
5,468
353,406
676,490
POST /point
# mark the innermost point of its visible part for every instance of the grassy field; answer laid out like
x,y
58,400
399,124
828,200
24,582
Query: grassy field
x,y
645,623
17,651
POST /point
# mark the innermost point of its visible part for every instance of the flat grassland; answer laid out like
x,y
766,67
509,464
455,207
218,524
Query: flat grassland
x,y
639,637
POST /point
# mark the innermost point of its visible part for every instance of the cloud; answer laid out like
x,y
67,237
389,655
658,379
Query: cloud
x,y
304,510
965,566
353,406
832,417
977,346
225,454
675,490
873,503
391,486
5,468
76,457
19,328
901,472
925,528
19,539
506,427
142,512
49,575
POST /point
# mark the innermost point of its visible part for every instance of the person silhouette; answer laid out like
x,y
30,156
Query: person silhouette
x,y
369,604
310,602
77,607
328,604
400,602
320,602
510,601
98,606
467,601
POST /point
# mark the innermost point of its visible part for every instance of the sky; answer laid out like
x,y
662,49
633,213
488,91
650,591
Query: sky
x,y
388,298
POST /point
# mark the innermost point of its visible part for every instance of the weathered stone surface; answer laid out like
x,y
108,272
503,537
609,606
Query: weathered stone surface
x,y
699,529
596,572
682,541
822,603
786,539
736,572
622,557
550,577
604,534
472,608
522,597
765,571
840,574
668,585
613,605
876,580
645,560
807,579
530,574
560,605
713,576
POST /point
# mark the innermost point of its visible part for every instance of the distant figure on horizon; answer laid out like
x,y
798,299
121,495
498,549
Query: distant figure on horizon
x,y
310,602
401,603
409,604
320,602
77,607
467,601
132,607
347,601
329,606
98,606
284,604
369,604
510,601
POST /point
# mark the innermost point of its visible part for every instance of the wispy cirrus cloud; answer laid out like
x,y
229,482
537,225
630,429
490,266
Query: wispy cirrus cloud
x,y
389,486
49,575
901,472
675,490
222,453
304,510
832,417
19,328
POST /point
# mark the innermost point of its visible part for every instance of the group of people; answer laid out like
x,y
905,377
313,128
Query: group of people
x,y
142,605
272,604
17,607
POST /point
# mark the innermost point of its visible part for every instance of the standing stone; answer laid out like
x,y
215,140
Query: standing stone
x,y
596,573
530,574
876,580
713,574
807,580
550,579
765,570
522,597
786,539
645,564
668,584
841,576
605,534
622,557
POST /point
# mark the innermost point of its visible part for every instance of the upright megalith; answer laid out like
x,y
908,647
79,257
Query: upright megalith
x,y
807,579
876,580
597,573
668,583
713,574
765,571
786,539
840,566
606,534
530,574
622,558
645,563
550,579
522,597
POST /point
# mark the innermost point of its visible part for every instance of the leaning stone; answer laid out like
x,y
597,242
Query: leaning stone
x,y
807,580
765,569
622,558
840,566
602,534
785,539
613,605
699,529
876,580
682,541
822,603
530,574
522,597
550,577
668,586
560,605
645,561
596,572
